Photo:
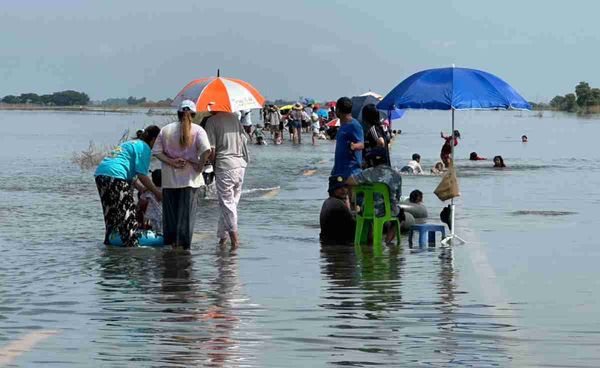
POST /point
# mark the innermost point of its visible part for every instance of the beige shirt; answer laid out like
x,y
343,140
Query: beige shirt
x,y
167,142
227,137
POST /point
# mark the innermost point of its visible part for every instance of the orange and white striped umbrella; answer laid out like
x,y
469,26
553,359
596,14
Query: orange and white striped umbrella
x,y
220,94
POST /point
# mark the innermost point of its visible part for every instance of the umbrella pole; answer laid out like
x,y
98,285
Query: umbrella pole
x,y
387,146
452,199
450,239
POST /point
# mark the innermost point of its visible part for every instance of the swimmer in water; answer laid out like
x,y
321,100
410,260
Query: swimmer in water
x,y
475,157
439,168
416,196
524,138
413,166
499,162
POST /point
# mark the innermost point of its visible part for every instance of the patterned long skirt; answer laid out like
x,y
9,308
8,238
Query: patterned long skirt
x,y
118,206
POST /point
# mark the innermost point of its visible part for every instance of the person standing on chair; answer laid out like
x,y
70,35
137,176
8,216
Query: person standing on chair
x,y
183,148
229,152
349,143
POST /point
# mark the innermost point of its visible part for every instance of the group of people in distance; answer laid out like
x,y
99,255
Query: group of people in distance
x,y
298,119
183,148
414,165
362,156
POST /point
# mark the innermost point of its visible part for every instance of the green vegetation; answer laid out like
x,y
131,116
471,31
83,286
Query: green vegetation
x,y
63,98
584,100
133,101
74,98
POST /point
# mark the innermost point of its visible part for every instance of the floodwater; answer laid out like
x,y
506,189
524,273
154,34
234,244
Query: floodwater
x,y
522,292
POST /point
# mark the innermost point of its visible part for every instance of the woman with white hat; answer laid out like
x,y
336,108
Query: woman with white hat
x,y
183,148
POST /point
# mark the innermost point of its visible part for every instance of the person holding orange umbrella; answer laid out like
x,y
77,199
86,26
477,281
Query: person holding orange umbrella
x,y
222,97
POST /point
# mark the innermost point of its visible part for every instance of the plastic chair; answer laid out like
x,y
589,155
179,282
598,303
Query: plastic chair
x,y
368,219
426,233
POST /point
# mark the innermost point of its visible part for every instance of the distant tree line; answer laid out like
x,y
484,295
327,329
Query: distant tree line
x,y
585,99
122,101
133,101
63,98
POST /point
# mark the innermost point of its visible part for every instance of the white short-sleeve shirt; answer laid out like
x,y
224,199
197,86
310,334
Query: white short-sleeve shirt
x,y
167,142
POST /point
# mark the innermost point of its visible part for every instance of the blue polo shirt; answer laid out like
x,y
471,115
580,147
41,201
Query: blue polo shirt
x,y
126,161
347,162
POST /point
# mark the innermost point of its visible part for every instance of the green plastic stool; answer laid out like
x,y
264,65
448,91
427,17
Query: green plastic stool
x,y
368,220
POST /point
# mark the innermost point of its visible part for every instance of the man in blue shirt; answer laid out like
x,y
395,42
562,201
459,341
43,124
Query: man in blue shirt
x,y
349,143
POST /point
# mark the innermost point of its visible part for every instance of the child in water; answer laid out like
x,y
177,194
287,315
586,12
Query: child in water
x,y
438,169
447,147
151,207
259,135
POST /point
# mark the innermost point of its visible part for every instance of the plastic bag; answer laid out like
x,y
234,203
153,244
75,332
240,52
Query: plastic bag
x,y
448,187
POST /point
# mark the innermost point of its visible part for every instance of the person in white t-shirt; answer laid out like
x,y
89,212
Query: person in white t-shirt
x,y
413,166
183,148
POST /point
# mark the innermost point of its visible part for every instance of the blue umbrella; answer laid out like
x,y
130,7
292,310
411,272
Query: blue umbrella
x,y
453,89
396,114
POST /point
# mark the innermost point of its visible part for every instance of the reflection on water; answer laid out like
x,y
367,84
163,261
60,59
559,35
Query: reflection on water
x,y
163,312
521,293
372,316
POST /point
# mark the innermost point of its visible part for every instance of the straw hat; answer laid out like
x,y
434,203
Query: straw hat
x,y
297,106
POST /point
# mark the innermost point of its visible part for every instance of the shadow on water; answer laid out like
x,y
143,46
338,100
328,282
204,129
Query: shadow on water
x,y
160,310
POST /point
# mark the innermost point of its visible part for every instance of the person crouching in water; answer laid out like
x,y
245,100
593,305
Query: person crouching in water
x,y
150,206
337,220
115,177
259,136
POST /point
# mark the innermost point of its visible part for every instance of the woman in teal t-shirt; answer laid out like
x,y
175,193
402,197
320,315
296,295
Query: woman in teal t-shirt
x,y
114,179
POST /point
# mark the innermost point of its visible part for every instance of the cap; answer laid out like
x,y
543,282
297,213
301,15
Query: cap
x,y
336,182
189,104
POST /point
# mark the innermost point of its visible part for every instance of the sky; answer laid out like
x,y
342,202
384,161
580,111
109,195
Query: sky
x,y
286,49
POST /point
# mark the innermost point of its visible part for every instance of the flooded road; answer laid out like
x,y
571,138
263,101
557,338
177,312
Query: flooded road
x,y
522,292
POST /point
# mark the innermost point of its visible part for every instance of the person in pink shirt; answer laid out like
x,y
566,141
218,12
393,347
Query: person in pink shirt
x,y
183,148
